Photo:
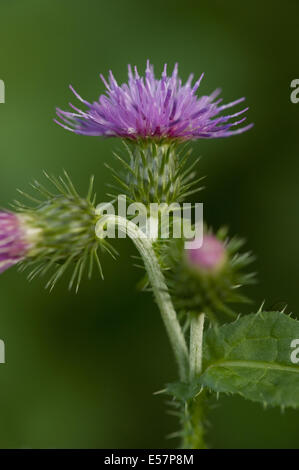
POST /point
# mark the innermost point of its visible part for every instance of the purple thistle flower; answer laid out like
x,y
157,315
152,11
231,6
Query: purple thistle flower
x,y
13,246
210,257
147,107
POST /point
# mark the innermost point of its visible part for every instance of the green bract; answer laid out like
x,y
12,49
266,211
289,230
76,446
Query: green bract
x,y
156,173
64,226
213,294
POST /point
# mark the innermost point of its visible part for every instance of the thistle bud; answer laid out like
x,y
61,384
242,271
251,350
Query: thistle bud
x,y
209,258
59,232
207,279
14,243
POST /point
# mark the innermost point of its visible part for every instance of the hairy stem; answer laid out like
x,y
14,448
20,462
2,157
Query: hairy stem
x,y
193,429
160,290
196,343
194,423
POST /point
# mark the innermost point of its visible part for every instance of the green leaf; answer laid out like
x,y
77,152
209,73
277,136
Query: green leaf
x,y
252,357
183,391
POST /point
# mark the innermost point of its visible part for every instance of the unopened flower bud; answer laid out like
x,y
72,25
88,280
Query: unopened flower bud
x,y
210,257
59,232
13,242
207,279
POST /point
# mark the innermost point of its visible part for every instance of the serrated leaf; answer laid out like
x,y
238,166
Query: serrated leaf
x,y
252,357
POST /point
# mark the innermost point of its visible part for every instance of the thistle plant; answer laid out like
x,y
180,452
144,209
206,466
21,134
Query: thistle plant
x,y
198,286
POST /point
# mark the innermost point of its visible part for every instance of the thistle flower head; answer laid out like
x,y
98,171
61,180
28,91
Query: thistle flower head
x,y
13,242
210,257
207,279
151,108
53,234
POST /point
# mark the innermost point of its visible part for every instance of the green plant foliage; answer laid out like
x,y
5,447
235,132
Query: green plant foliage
x,y
252,357
182,391
152,172
214,295
65,223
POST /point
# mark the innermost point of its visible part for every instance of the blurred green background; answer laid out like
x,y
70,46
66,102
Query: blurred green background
x,y
81,369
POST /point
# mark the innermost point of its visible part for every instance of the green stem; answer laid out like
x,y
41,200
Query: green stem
x,y
193,413
160,290
196,344
194,423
